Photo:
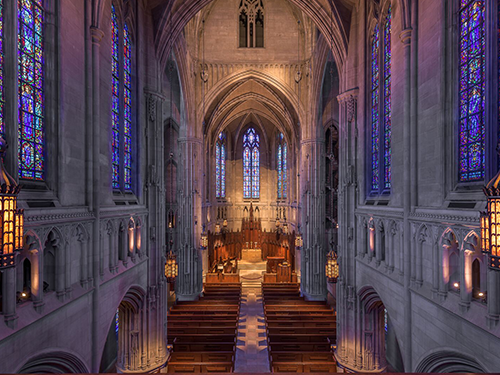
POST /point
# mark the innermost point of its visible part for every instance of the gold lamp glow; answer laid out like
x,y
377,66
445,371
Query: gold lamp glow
x,y
299,242
11,217
332,267
490,223
171,268
204,238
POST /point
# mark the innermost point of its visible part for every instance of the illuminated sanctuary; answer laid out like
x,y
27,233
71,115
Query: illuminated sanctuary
x,y
253,186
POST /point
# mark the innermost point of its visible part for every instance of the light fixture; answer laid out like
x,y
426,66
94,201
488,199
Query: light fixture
x,y
456,285
490,223
171,268
299,242
204,238
332,267
12,219
480,294
217,228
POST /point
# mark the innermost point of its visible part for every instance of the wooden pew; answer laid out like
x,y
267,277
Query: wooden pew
x,y
203,333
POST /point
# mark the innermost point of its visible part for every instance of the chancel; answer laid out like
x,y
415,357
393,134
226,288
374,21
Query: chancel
x,y
252,186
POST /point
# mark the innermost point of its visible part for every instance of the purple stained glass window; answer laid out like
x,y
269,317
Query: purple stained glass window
x,y
472,91
387,101
31,89
127,116
282,167
2,100
220,166
251,165
115,99
375,93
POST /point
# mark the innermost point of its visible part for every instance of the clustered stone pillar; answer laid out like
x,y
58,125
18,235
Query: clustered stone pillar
x,y
313,278
189,282
349,322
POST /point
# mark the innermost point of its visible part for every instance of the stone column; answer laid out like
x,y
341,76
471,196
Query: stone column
x,y
36,280
9,297
419,274
493,297
94,125
378,244
189,282
465,280
405,37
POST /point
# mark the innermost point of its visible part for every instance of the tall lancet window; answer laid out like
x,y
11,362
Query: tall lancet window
x,y
127,115
375,110
251,22
472,91
381,107
220,166
251,165
2,101
115,98
282,167
31,89
387,101
122,104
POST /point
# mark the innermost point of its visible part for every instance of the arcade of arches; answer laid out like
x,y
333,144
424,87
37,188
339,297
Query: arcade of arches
x,y
281,131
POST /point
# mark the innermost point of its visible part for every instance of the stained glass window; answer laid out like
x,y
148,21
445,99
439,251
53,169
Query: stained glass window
x,y
122,103
472,91
2,100
251,164
115,99
220,166
387,101
375,93
31,89
127,94
282,167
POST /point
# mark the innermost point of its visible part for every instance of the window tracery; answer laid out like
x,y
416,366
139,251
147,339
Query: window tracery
x,y
220,166
251,21
282,167
251,165
472,91
31,89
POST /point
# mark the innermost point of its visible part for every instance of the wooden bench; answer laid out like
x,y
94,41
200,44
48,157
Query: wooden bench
x,y
203,333
190,330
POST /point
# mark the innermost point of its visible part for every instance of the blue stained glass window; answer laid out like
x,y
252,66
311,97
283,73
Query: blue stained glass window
x,y
472,91
375,94
31,89
282,167
2,100
220,166
387,101
115,99
251,165
127,94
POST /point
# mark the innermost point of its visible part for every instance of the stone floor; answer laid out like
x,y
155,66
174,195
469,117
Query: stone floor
x,y
251,349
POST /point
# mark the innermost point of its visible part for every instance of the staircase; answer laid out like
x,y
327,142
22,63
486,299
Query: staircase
x,y
251,272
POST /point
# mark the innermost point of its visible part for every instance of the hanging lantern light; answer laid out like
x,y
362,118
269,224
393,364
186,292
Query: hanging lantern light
x,y
11,217
224,223
332,267
217,228
299,242
204,238
171,268
490,223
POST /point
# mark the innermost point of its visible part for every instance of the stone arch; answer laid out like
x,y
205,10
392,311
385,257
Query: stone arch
x,y
54,362
373,328
448,361
125,324
54,262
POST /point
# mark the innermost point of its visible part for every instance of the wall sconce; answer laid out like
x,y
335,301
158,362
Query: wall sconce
x,y
171,268
490,223
204,238
11,217
456,286
332,267
299,242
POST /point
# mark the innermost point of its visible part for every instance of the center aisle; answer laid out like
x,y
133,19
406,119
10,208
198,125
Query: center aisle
x,y
251,349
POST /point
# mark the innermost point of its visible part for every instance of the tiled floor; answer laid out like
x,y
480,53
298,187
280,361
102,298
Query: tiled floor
x,y
251,349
